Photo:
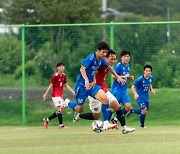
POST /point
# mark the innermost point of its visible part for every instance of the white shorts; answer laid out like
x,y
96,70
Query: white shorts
x,y
95,105
58,101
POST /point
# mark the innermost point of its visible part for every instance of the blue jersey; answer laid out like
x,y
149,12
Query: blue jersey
x,y
121,70
142,87
92,64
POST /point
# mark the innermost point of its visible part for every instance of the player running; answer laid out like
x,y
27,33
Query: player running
x,y
57,82
140,90
86,83
95,105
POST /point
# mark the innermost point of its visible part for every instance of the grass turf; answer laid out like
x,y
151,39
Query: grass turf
x,y
81,139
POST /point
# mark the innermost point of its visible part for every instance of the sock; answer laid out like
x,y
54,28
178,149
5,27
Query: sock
x,y
124,111
54,115
137,111
142,119
59,114
88,116
72,105
106,112
120,117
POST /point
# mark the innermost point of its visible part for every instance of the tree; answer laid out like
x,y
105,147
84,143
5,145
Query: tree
x,y
53,12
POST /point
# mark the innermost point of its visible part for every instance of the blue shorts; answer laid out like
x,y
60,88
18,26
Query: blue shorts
x,y
143,104
122,97
82,93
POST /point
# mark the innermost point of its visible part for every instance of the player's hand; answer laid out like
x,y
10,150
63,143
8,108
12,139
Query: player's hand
x,y
119,79
131,77
44,97
87,84
136,96
153,92
92,84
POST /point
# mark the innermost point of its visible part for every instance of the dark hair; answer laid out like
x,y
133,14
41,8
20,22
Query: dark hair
x,y
103,45
125,52
148,66
59,64
111,52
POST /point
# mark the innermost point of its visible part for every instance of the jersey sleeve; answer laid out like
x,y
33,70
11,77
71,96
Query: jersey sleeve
x,y
88,60
104,63
53,78
117,69
137,82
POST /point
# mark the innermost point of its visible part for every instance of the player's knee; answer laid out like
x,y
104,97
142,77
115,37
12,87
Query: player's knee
x,y
96,116
144,111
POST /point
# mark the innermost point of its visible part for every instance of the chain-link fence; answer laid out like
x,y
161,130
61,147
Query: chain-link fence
x,y
29,54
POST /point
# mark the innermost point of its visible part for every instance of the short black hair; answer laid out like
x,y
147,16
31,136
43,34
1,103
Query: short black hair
x,y
148,66
59,64
125,52
103,45
111,52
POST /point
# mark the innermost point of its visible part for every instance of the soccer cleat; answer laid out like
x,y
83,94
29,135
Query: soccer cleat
x,y
45,123
129,113
63,127
108,126
143,127
127,130
76,117
113,121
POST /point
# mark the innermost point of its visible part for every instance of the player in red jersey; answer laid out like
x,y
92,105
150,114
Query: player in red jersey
x,y
96,105
57,82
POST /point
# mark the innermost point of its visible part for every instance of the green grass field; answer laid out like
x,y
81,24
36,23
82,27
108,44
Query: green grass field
x,y
81,139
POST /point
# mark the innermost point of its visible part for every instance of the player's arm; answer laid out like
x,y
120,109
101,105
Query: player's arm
x,y
152,90
84,75
133,89
69,88
118,78
92,84
47,91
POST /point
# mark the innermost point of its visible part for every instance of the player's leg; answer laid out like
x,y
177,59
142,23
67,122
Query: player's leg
x,y
125,100
119,114
54,115
144,111
95,107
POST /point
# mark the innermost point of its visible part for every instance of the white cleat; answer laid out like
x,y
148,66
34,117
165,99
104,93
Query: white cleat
x,y
76,117
108,126
127,130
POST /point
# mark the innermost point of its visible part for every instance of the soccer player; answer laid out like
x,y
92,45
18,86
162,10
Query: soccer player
x,y
140,90
86,83
57,82
95,105
120,90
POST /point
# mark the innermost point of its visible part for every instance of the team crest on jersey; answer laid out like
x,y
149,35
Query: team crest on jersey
x,y
95,109
150,80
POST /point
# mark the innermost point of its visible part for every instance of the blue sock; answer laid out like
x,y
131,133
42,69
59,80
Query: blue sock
x,y
106,111
124,111
72,105
137,111
142,119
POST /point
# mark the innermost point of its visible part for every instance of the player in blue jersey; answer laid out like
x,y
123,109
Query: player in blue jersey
x,y
140,90
86,83
119,90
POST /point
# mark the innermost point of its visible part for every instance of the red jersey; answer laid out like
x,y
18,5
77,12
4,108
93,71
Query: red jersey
x,y
101,76
58,81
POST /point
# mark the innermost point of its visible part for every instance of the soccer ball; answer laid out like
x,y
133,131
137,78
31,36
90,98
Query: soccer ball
x,y
97,126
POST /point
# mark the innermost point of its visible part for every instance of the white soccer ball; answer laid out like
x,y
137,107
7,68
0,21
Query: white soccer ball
x,y
97,126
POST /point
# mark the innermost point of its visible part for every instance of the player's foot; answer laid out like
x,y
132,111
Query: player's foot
x,y
113,121
76,117
127,130
129,113
63,127
108,126
143,127
45,123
